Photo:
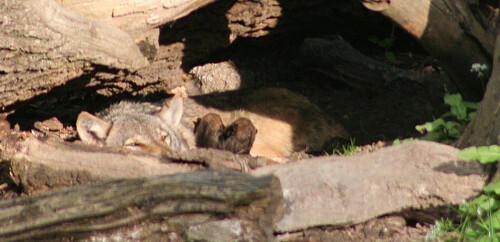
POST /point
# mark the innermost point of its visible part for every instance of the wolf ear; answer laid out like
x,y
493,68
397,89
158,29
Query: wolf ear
x,y
172,113
92,129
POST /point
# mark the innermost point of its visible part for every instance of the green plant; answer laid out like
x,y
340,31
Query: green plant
x,y
484,154
386,44
402,141
480,218
347,149
482,71
450,125
439,230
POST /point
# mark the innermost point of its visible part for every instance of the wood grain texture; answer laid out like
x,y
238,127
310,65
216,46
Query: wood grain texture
x,y
44,45
203,196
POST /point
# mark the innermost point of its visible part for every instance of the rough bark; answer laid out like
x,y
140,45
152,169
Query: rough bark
x,y
450,32
41,164
484,129
43,45
322,191
136,18
57,53
181,206
349,190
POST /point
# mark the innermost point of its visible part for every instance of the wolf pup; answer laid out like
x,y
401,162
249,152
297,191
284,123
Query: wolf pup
x,y
285,121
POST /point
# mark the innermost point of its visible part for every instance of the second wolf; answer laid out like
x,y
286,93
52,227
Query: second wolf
x,y
285,121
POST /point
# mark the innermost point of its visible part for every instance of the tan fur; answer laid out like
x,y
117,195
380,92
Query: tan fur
x,y
285,121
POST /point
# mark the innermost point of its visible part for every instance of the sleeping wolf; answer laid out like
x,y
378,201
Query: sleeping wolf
x,y
284,122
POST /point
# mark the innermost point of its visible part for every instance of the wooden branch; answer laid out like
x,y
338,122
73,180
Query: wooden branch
x,y
44,45
179,205
444,29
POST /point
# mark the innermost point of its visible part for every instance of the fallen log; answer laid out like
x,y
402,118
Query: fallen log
x,y
135,17
44,45
40,163
333,190
180,206
349,190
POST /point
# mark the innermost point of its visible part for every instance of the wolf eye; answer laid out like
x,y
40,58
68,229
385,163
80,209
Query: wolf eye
x,y
165,137
134,142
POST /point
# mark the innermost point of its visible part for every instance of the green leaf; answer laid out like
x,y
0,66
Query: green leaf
x,y
384,43
472,115
485,154
391,57
453,99
490,205
434,136
455,132
451,125
457,106
430,126
471,206
453,129
492,188
486,238
471,105
403,141
494,223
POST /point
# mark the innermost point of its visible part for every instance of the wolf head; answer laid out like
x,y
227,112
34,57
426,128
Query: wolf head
x,y
139,126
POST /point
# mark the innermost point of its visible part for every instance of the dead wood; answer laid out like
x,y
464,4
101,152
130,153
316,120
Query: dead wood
x,y
348,190
43,163
136,18
178,206
44,45
221,159
322,191
336,58
40,164
450,32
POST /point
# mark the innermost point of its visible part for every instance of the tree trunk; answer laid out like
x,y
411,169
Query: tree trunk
x,y
449,31
485,127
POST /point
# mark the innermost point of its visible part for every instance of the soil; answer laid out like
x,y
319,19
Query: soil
x,y
372,117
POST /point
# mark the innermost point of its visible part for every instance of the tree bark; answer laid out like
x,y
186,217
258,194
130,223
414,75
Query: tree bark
x,y
44,45
136,18
449,31
348,190
177,206
39,164
484,129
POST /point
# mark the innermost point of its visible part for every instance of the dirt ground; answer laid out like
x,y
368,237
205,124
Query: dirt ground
x,y
372,117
